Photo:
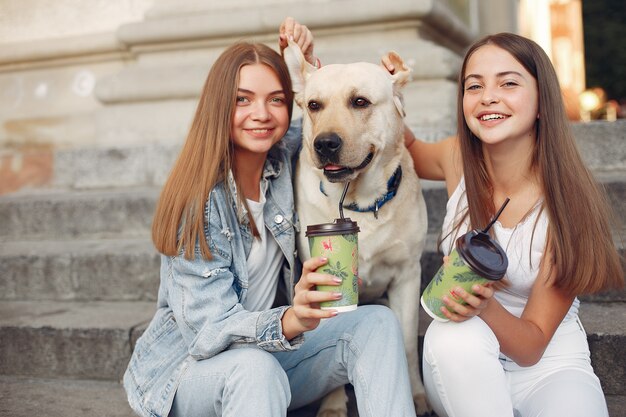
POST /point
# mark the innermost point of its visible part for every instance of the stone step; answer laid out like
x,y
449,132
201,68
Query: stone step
x,y
79,270
120,270
66,214
94,340
27,397
70,339
601,144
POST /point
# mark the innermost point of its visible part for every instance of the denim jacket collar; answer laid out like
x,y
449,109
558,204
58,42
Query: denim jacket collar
x,y
272,169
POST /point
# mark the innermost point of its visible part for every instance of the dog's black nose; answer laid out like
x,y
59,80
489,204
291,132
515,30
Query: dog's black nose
x,y
327,145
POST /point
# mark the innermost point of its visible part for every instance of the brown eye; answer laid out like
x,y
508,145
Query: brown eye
x,y
313,106
360,102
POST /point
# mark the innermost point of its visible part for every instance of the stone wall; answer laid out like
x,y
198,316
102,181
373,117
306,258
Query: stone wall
x,y
126,72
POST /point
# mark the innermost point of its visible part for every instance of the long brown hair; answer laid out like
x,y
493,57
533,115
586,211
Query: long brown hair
x,y
579,234
207,155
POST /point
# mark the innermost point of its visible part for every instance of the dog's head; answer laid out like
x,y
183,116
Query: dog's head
x,y
352,113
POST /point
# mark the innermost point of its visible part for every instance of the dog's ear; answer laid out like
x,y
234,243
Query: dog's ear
x,y
402,73
400,77
299,68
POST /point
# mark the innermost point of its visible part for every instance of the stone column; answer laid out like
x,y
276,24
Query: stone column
x,y
153,98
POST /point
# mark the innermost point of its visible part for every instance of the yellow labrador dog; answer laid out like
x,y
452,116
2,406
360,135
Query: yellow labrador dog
x,y
353,131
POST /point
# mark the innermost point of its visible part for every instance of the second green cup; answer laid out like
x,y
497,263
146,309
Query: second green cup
x,y
476,259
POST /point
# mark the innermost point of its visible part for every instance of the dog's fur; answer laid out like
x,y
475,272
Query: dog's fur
x,y
353,114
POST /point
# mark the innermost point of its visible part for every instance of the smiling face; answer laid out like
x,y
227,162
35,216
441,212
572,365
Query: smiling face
x,y
261,114
500,99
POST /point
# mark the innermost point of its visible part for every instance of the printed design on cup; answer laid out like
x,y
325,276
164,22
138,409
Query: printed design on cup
x,y
352,238
458,262
355,268
464,277
337,270
435,305
338,243
476,259
436,281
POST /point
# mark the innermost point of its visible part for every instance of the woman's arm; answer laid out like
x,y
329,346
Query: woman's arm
x,y
434,161
202,295
525,339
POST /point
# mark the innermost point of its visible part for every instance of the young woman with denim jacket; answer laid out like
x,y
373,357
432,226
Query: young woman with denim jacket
x,y
220,343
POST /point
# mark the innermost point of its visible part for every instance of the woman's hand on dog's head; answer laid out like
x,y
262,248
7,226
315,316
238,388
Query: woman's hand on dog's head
x,y
300,34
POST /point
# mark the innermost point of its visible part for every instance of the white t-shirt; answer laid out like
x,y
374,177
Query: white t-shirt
x,y
523,249
264,263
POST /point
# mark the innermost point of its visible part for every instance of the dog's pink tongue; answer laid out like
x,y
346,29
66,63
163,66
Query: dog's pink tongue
x,y
331,167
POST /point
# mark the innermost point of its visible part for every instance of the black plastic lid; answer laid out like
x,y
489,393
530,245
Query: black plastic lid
x,y
483,254
339,227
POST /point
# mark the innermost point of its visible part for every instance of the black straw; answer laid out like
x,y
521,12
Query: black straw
x,y
343,196
486,229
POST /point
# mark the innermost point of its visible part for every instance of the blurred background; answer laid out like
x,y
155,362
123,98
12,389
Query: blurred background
x,y
102,73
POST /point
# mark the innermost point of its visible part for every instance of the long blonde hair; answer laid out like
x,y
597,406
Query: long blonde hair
x,y
207,155
579,233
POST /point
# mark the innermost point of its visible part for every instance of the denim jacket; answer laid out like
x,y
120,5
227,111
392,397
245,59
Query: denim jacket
x,y
199,308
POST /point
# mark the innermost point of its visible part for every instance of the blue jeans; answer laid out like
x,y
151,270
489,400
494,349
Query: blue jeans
x,y
363,347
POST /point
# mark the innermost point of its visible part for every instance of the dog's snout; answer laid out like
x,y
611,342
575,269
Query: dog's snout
x,y
327,145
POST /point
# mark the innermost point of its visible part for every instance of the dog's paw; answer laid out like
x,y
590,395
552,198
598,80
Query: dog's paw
x,y
422,407
332,413
334,404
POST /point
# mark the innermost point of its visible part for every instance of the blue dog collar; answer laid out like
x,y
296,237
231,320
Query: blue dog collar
x,y
392,190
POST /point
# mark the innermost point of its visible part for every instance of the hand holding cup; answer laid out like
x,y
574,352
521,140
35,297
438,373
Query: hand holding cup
x,y
462,305
305,314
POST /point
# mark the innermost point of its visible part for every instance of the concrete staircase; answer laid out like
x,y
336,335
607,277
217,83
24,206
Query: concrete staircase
x,y
79,277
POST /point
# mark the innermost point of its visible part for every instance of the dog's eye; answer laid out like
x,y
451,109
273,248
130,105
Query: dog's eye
x,y
314,106
360,102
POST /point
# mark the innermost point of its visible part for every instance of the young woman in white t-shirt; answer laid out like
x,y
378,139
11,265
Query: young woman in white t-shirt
x,y
518,350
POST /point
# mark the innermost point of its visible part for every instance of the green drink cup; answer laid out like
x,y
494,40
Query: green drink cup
x,y
338,242
477,259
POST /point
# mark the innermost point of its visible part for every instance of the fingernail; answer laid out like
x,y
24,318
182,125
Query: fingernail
x,y
337,295
337,280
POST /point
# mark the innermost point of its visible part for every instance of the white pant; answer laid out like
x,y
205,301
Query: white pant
x,y
465,375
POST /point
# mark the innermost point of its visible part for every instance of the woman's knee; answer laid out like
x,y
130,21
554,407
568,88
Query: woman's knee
x,y
259,367
566,393
375,327
468,339
378,318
